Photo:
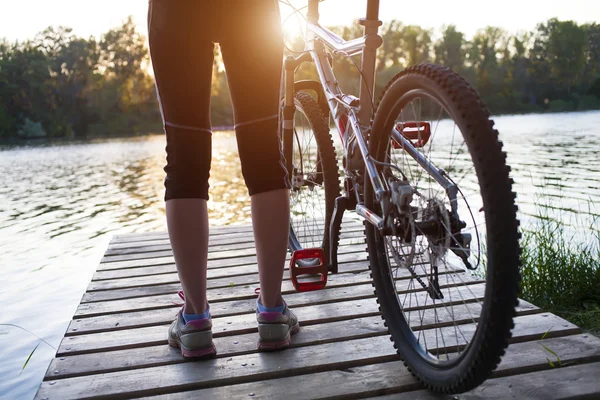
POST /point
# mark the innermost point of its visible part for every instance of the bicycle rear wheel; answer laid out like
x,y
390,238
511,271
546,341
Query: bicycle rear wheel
x,y
447,279
314,177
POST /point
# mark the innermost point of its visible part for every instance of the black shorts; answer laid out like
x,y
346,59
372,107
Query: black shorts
x,y
182,36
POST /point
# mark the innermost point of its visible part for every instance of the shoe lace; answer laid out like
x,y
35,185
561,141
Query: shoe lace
x,y
182,296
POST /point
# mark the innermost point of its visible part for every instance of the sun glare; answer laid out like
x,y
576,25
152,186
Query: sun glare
x,y
293,27
293,23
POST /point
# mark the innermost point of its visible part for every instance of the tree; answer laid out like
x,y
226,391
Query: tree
x,y
566,44
59,84
122,52
483,59
391,52
558,57
591,72
450,49
417,42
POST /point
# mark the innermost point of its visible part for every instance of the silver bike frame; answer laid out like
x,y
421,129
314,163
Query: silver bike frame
x,y
320,39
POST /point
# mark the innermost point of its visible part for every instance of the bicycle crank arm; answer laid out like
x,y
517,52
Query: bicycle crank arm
x,y
341,205
370,216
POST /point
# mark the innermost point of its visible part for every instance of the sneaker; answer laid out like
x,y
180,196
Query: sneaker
x,y
275,329
193,338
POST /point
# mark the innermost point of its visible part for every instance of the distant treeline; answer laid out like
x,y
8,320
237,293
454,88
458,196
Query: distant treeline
x,y
61,85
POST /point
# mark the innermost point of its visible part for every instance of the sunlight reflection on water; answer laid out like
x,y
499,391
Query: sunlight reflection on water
x,y
59,206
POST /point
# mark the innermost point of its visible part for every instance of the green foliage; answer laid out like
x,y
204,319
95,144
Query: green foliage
x,y
554,68
60,85
36,346
31,129
561,274
560,105
78,87
588,102
30,355
451,49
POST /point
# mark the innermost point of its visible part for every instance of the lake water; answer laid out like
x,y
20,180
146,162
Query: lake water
x,y
60,204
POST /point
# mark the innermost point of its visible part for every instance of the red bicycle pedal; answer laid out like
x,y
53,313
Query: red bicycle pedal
x,y
303,276
418,133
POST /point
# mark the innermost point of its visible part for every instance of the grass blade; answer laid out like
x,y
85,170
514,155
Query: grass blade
x,y
29,358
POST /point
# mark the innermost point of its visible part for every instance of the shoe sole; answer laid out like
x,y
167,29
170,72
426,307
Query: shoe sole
x,y
283,344
207,352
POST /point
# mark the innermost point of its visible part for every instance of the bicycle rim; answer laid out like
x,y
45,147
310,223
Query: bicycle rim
x,y
314,177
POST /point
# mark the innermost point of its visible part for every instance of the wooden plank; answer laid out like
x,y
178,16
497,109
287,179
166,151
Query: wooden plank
x,y
233,248
158,289
219,277
114,340
527,327
169,260
346,383
336,287
230,242
221,371
214,231
571,382
351,252
228,326
116,345
169,283
242,308
88,339
227,346
350,220
260,366
381,378
233,293
449,338
242,316
130,293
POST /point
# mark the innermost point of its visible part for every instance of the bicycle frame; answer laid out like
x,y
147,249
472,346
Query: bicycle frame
x,y
352,115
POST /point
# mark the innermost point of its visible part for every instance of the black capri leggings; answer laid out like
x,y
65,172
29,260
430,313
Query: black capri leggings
x,y
182,34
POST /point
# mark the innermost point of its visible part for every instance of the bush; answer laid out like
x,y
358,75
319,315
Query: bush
x,y
7,123
31,129
589,102
560,105
529,108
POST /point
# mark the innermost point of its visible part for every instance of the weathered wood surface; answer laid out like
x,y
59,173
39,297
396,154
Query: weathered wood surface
x,y
115,346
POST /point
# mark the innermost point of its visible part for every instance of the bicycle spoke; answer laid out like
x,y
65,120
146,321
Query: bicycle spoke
x,y
438,248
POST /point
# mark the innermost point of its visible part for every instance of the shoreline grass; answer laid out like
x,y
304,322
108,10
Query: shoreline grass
x,y
560,273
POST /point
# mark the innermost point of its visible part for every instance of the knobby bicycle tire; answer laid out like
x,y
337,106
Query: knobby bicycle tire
x,y
309,230
490,338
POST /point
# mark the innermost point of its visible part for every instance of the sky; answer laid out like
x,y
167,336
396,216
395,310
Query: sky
x,y
22,19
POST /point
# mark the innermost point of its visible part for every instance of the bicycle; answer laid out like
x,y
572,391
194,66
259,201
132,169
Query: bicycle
x,y
446,221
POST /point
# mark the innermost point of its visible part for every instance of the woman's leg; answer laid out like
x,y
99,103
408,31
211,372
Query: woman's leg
x,y
253,56
182,58
270,220
187,221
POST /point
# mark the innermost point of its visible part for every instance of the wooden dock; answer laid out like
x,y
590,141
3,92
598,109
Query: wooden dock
x,y
115,347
